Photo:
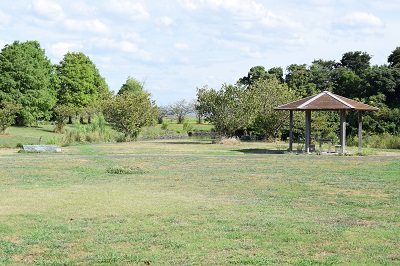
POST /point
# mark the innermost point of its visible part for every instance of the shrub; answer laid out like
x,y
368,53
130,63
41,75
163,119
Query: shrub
x,y
164,126
125,170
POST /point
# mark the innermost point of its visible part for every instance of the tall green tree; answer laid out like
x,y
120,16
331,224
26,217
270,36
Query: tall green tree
x,y
263,97
255,73
225,108
321,74
298,78
80,84
132,85
26,76
394,58
277,72
357,61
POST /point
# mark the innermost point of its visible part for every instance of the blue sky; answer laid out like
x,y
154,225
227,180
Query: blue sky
x,y
179,45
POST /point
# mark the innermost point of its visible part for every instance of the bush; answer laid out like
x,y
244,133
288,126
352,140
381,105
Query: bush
x,y
381,141
125,170
96,131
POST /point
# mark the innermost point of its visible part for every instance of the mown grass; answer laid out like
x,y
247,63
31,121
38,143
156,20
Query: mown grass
x,y
197,203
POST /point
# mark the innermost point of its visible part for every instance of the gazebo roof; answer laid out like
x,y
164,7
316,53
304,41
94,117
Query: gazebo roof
x,y
326,101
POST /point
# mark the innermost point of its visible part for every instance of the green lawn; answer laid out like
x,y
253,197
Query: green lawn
x,y
197,203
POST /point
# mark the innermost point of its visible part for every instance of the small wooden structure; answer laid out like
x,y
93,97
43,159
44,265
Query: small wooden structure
x,y
326,101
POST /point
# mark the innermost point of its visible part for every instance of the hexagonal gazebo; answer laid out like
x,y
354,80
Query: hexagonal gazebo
x,y
326,101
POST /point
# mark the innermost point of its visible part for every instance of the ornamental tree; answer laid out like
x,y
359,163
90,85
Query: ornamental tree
x,y
128,113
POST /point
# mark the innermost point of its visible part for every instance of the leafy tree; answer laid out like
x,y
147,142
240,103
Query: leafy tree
x,y
321,74
263,97
132,85
358,62
80,83
394,58
8,113
180,109
298,78
380,79
225,108
277,72
128,113
26,79
348,84
254,74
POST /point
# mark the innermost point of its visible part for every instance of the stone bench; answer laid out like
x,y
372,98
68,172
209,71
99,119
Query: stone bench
x,y
41,148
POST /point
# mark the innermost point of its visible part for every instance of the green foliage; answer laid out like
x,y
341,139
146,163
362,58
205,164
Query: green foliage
x,y
132,85
128,113
96,131
125,170
378,141
358,62
394,58
298,78
187,127
61,115
80,83
263,97
225,108
26,79
164,125
8,113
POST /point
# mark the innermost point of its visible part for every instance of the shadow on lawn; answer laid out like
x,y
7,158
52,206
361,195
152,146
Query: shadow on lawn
x,y
262,151
186,142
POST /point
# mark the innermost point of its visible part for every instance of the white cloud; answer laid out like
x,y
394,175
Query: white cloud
x,y
59,49
360,20
181,46
48,9
94,25
4,18
124,49
166,21
82,8
130,9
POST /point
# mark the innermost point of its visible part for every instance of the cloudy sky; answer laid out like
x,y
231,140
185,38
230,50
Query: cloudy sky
x,y
176,46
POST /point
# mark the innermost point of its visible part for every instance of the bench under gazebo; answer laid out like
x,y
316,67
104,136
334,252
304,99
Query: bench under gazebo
x,y
326,101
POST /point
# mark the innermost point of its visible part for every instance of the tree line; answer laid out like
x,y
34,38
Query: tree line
x,y
33,89
247,105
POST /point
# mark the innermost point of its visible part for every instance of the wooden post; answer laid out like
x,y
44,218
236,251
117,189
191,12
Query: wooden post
x,y
291,131
308,131
343,130
359,131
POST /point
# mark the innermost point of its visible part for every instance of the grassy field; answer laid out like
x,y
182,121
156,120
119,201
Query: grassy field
x,y
190,202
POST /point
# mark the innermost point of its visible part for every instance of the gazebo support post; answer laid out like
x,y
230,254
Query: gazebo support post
x,y
291,131
359,131
343,130
308,131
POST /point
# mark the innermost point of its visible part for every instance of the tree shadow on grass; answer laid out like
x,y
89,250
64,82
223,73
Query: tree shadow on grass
x,y
262,151
186,142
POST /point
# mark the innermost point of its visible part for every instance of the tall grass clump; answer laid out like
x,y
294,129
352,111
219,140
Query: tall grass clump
x,y
381,141
96,131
